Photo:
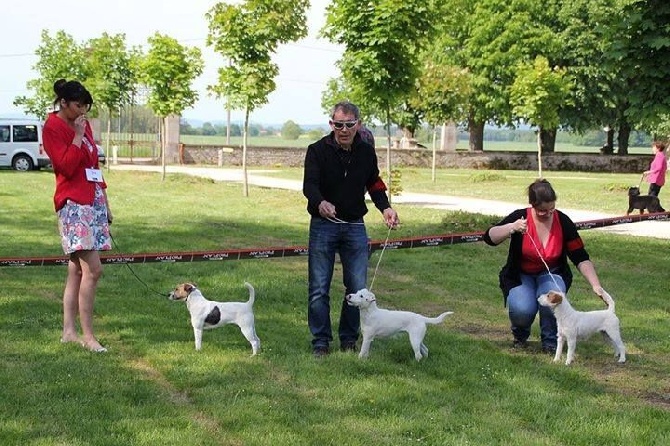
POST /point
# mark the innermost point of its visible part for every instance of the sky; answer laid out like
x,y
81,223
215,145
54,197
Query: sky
x,y
304,66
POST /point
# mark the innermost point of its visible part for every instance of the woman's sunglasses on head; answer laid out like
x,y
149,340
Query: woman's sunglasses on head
x,y
339,125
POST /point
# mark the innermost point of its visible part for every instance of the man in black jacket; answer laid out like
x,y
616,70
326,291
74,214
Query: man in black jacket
x,y
339,169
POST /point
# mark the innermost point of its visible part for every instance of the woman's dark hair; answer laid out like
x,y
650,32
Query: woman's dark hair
x,y
72,91
660,144
540,191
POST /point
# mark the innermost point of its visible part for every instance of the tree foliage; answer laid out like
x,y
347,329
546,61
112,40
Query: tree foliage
x,y
380,64
291,130
112,77
169,69
538,93
247,34
59,57
641,48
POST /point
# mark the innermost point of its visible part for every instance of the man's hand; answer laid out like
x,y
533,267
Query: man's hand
x,y
391,218
327,209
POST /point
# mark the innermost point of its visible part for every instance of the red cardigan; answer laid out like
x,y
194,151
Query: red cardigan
x,y
69,162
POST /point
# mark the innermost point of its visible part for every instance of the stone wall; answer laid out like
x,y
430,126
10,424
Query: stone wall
x,y
294,157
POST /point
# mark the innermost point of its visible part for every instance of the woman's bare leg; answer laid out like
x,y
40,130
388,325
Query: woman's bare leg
x,y
91,270
71,301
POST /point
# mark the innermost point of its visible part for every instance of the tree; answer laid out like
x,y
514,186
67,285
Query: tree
x,y
290,130
537,95
112,79
168,70
59,57
382,40
247,35
442,95
639,48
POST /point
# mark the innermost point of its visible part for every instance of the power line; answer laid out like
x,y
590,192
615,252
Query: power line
x,y
18,55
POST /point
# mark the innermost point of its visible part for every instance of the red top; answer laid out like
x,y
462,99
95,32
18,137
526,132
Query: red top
x,y
531,262
70,161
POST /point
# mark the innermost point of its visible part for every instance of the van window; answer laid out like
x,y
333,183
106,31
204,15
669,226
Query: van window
x,y
25,133
4,133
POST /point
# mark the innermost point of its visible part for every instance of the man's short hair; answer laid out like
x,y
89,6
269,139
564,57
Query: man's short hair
x,y
347,107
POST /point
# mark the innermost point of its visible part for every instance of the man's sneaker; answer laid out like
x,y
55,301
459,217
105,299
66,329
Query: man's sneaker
x,y
519,344
349,346
320,352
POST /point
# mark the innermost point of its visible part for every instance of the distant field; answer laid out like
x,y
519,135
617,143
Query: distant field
x,y
147,145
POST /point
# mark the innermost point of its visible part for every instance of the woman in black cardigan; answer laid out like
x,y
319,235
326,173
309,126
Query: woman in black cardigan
x,y
538,234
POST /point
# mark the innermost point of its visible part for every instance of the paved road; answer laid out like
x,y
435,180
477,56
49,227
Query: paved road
x,y
658,229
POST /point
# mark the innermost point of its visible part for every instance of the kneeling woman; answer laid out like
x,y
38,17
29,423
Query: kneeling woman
x,y
541,241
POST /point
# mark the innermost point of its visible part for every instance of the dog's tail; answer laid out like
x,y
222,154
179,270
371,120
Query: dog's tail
x,y
608,300
252,293
439,319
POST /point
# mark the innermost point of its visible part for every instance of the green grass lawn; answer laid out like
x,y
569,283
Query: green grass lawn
x,y
153,388
605,192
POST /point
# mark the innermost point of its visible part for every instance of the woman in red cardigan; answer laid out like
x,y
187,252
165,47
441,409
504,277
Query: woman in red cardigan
x,y
81,204
542,240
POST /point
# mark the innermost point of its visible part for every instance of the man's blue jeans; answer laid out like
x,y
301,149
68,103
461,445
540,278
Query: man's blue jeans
x,y
523,306
326,238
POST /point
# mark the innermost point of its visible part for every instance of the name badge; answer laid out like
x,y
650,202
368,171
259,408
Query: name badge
x,y
94,175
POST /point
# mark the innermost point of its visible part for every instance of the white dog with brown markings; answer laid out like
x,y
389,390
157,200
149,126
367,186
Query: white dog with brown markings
x,y
573,324
380,323
208,314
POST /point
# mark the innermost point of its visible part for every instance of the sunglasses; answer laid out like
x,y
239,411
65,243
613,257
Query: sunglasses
x,y
339,125
540,211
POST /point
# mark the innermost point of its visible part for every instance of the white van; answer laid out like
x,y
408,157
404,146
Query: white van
x,y
21,144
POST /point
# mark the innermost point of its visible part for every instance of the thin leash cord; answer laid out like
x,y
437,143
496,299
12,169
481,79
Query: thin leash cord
x,y
543,262
134,274
342,222
388,234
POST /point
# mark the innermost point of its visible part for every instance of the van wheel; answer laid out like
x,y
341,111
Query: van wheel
x,y
22,163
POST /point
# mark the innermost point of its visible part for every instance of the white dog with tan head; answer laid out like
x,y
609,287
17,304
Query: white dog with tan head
x,y
208,314
380,323
573,324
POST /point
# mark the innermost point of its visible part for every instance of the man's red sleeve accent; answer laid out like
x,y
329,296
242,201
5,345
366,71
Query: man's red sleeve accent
x,y
377,186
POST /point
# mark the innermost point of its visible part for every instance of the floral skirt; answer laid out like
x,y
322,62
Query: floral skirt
x,y
84,227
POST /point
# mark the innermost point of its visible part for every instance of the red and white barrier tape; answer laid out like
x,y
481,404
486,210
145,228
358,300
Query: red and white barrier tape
x,y
297,251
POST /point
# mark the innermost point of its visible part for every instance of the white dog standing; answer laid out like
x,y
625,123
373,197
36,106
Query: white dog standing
x,y
573,324
207,314
380,323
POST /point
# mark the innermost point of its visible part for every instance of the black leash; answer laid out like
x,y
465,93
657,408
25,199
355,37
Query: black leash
x,y
135,274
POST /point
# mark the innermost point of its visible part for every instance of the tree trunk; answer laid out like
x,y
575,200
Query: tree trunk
x,y
163,148
108,152
610,137
539,153
476,129
245,182
388,152
548,140
434,162
622,138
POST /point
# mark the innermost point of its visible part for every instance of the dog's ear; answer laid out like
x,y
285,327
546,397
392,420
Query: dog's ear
x,y
188,287
555,297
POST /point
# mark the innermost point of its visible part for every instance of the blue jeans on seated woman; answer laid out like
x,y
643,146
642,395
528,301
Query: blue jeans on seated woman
x,y
327,238
523,306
